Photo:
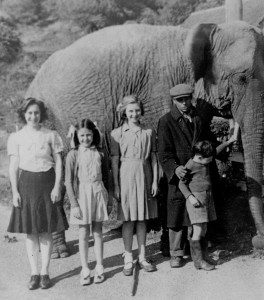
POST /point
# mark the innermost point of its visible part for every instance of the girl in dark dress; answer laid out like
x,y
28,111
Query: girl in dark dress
x,y
35,172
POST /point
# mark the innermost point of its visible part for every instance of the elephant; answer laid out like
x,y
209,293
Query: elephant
x,y
225,62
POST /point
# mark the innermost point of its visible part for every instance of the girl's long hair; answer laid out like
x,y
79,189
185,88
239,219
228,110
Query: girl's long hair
x,y
88,124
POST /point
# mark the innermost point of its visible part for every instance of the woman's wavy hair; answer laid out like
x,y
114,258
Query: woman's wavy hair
x,y
88,124
121,107
26,104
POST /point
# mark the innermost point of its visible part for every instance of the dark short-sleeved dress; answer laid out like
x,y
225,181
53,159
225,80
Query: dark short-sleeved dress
x,y
134,146
200,186
37,213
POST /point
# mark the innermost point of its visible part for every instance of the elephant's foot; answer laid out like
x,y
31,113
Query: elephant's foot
x,y
59,245
258,242
54,254
63,251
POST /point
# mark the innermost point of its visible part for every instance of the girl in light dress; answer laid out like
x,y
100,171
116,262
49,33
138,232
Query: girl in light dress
x,y
134,166
35,172
84,172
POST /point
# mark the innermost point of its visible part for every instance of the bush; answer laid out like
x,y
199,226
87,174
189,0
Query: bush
x,y
10,44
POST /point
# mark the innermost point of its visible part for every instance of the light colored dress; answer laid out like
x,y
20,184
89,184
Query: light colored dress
x,y
93,196
35,149
134,146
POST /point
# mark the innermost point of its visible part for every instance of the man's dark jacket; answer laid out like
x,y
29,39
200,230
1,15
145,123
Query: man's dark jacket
x,y
175,141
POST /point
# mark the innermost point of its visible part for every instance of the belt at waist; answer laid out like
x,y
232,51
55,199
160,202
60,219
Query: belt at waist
x,y
127,159
90,180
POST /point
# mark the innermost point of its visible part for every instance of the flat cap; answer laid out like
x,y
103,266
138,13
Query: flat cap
x,y
181,90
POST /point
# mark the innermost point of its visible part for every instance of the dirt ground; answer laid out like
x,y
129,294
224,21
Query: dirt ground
x,y
239,276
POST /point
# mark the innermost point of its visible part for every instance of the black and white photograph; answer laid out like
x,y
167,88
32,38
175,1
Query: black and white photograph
x,y
132,149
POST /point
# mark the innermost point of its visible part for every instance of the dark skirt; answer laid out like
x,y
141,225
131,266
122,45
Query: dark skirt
x,y
37,213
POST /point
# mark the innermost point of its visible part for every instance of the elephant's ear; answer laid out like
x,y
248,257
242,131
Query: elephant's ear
x,y
197,48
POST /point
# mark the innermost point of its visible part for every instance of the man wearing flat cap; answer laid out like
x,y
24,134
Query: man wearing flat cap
x,y
178,131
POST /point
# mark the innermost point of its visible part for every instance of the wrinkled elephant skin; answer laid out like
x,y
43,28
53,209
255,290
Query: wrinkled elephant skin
x,y
88,78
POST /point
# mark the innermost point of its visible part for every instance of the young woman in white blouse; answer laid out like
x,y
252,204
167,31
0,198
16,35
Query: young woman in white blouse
x,y
35,172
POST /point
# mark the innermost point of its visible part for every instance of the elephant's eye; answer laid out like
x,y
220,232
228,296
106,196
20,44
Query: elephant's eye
x,y
243,79
240,79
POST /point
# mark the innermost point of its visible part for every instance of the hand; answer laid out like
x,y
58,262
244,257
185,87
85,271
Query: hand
x,y
77,213
232,139
16,199
154,189
55,194
181,172
194,201
117,193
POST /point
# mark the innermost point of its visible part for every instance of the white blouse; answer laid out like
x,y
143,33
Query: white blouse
x,y
35,149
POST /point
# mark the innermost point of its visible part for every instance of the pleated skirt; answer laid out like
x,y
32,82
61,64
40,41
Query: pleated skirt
x,y
37,213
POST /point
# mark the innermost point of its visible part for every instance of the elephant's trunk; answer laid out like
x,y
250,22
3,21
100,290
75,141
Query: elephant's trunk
x,y
252,138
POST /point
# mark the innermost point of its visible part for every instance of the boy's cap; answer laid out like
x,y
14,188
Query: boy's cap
x,y
181,90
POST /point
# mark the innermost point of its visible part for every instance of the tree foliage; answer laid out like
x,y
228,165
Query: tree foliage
x,y
101,13
10,44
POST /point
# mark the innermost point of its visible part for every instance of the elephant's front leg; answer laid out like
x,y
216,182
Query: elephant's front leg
x,y
60,249
253,151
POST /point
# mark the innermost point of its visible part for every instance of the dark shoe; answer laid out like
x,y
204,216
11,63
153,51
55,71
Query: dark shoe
x,y
34,282
197,256
177,262
206,257
147,266
45,282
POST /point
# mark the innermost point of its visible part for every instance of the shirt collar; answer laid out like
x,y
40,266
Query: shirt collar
x,y
126,128
84,149
177,114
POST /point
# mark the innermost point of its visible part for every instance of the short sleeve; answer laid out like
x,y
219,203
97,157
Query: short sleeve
x,y
115,138
189,164
57,144
153,141
12,145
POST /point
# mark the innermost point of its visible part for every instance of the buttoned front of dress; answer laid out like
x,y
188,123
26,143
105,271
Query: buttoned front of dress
x,y
89,162
135,142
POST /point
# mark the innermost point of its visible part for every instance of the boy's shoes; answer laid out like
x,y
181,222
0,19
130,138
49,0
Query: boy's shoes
x,y
34,282
177,262
147,266
45,281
